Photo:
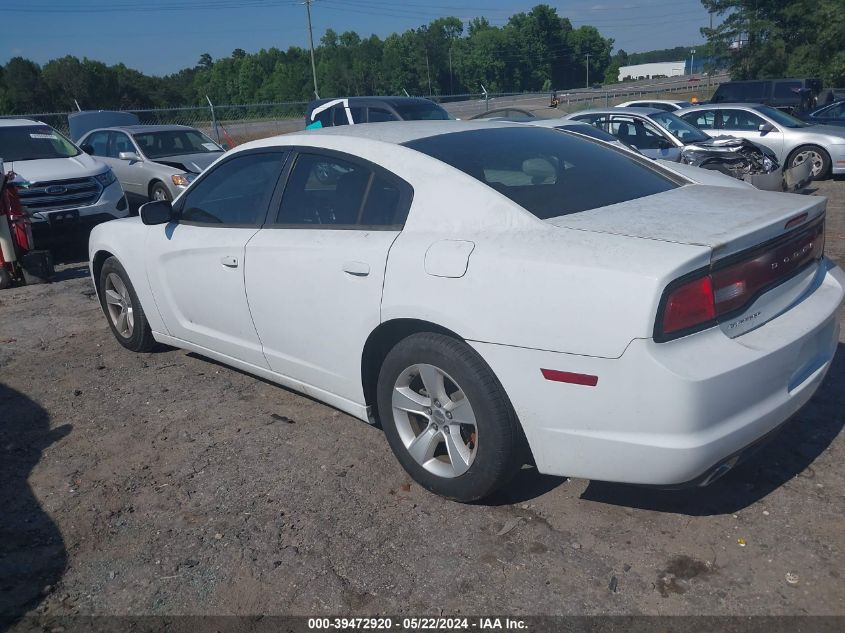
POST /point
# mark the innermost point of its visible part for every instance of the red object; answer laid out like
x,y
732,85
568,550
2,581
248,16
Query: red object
x,y
565,376
689,305
700,301
19,223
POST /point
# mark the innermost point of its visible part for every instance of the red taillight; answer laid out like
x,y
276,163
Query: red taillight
x,y
689,305
729,289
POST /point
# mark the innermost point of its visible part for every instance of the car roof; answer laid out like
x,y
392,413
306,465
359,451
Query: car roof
x,y
394,132
656,101
720,106
638,110
135,129
394,101
18,122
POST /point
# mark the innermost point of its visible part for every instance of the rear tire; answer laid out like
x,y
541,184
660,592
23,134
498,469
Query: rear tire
x,y
457,434
122,308
820,160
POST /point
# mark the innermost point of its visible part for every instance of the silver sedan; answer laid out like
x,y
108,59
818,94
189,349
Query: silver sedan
x,y
794,142
152,162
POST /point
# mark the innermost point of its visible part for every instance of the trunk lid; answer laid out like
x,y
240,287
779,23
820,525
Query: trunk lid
x,y
724,219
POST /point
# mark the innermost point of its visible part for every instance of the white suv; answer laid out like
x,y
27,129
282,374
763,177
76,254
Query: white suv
x,y
66,189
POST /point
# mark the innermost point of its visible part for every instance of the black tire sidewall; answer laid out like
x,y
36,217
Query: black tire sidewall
x,y
139,341
499,439
159,185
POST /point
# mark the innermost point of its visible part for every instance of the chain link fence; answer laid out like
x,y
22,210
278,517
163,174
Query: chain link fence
x,y
236,124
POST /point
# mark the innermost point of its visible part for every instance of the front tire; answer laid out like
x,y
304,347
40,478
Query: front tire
x,y
819,159
122,308
160,192
447,418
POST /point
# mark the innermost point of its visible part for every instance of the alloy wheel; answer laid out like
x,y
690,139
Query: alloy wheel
x,y
435,420
813,157
119,304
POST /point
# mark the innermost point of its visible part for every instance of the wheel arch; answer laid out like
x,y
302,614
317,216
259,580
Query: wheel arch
x,y
381,340
97,262
153,182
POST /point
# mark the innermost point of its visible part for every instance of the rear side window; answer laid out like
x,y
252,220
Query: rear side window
x,y
236,192
325,191
703,119
547,173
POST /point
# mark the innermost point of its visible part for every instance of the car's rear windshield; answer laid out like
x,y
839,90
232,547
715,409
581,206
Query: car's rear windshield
x,y
175,143
547,173
34,142
421,112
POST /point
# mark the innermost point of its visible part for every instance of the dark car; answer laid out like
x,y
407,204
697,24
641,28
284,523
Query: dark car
x,y
832,114
784,94
353,110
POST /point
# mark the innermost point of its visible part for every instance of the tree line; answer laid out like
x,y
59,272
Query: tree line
x,y
534,50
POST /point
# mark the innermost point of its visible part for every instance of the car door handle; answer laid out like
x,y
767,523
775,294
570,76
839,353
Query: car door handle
x,y
358,269
229,261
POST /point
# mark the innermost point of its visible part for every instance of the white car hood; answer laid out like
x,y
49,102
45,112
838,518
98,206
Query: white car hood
x,y
45,169
722,218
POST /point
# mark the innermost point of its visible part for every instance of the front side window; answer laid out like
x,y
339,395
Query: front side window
x,y
547,173
236,192
174,143
679,128
740,121
328,191
638,133
120,143
98,142
781,118
34,142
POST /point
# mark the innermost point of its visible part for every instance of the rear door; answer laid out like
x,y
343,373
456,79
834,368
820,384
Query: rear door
x,y
315,272
196,266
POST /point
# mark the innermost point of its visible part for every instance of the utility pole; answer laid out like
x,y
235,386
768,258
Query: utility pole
x,y
311,40
588,69
692,62
428,72
451,87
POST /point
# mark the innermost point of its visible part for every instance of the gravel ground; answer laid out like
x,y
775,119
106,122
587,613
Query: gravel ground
x,y
165,484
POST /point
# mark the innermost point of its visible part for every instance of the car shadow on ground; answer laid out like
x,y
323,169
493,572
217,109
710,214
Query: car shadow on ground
x,y
790,453
32,553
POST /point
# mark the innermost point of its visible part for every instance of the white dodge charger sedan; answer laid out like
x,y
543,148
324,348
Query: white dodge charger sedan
x,y
492,294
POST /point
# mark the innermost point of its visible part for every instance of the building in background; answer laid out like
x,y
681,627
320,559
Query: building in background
x,y
652,71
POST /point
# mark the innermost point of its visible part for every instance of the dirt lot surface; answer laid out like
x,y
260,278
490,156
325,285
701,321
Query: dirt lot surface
x,y
164,484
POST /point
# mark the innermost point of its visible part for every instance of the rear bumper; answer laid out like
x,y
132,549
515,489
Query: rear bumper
x,y
668,414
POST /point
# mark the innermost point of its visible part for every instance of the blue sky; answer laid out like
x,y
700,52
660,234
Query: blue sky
x,y
162,36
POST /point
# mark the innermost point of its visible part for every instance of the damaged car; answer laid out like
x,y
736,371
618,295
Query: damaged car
x,y
152,162
663,136
748,161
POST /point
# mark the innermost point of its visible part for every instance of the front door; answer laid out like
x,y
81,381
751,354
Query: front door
x,y
745,124
130,173
314,273
196,265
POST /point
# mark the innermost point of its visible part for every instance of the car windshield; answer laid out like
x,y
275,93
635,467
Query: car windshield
x,y
422,112
685,132
174,143
547,173
34,142
781,118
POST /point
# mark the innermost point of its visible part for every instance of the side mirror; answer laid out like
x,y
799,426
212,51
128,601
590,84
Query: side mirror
x,y
157,212
130,156
87,148
765,128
